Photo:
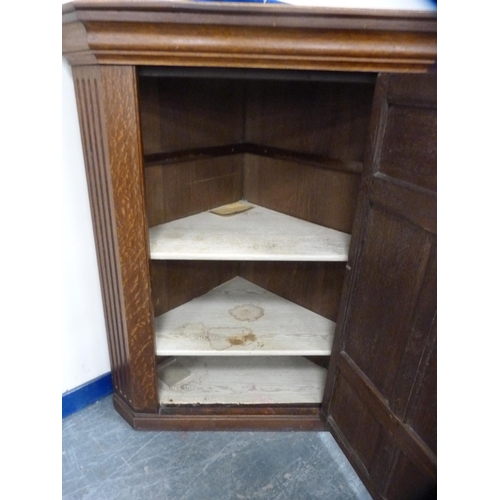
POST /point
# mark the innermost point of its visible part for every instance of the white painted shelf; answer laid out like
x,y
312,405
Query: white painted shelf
x,y
237,380
240,318
257,234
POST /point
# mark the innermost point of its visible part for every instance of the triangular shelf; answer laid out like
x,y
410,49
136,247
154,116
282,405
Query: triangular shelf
x,y
261,380
257,234
240,318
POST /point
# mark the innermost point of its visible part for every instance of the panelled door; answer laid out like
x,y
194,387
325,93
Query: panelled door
x,y
380,400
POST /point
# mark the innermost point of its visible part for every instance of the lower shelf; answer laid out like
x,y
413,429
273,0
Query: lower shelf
x,y
238,380
239,318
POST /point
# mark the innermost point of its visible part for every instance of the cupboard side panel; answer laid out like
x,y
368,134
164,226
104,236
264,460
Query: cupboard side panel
x,y
329,119
154,193
176,282
177,190
124,188
317,286
322,196
149,96
200,113
95,149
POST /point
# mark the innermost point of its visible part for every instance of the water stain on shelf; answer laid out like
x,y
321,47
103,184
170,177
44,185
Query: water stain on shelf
x,y
195,331
247,312
221,338
246,339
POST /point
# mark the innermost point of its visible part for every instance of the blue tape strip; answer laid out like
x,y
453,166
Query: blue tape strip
x,y
86,394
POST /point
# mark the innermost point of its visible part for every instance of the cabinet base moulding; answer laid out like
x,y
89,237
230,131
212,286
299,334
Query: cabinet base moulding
x,y
224,418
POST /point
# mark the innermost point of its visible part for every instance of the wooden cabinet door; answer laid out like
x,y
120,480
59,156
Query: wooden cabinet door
x,y
380,399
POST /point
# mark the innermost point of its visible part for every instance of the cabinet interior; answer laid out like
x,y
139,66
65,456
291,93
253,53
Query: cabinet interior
x,y
286,141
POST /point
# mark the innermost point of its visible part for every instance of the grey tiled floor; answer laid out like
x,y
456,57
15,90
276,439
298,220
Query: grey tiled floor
x,y
104,459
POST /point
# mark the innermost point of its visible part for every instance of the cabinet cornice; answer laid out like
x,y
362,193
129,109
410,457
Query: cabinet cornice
x,y
252,36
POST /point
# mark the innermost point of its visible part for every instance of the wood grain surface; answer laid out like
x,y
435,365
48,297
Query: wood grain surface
x,y
380,399
205,34
239,318
107,100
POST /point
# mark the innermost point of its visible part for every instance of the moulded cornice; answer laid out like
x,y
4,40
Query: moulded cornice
x,y
247,35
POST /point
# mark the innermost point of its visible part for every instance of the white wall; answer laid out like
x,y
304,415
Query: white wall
x,y
84,344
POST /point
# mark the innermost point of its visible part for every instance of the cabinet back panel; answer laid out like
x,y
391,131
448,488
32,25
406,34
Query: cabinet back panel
x,y
174,283
181,189
314,285
150,116
190,113
318,195
329,119
317,286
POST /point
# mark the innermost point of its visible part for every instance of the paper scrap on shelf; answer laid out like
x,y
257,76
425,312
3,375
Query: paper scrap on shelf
x,y
232,208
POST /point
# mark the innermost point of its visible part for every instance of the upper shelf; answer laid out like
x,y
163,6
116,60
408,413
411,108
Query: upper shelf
x,y
257,234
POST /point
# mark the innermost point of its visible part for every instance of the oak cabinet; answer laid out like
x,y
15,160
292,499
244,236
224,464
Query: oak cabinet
x,y
263,192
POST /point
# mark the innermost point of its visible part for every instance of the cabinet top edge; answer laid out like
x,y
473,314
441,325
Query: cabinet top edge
x,y
267,36
425,19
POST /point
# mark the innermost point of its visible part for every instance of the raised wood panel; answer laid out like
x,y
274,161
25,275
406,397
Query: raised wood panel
x,y
401,435
414,204
394,253
323,118
409,483
421,416
385,339
410,148
359,433
178,190
322,196
413,90
418,359
408,151
359,427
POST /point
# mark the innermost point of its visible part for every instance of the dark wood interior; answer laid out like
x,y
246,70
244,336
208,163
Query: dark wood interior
x,y
277,139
